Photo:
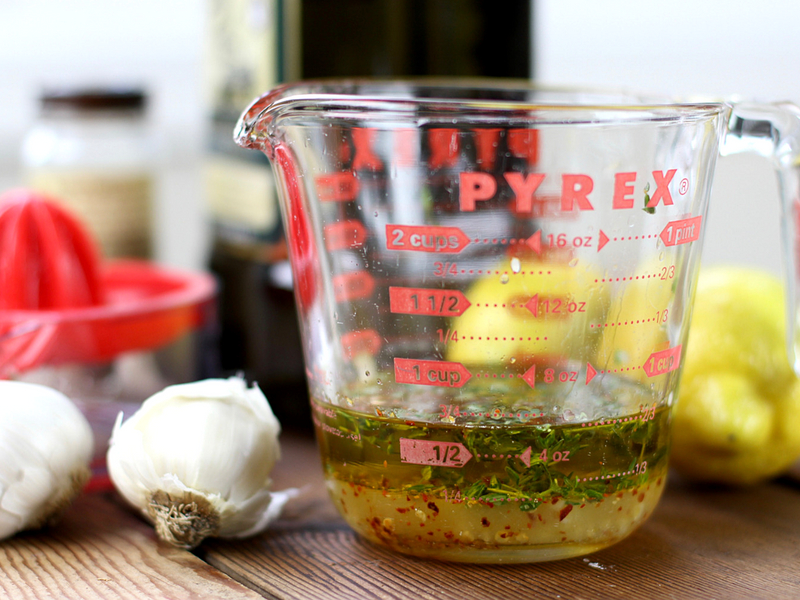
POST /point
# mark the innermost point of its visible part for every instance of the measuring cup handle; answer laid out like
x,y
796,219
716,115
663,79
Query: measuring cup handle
x,y
773,131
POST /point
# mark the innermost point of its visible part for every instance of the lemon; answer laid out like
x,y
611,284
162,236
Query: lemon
x,y
737,419
537,309
636,325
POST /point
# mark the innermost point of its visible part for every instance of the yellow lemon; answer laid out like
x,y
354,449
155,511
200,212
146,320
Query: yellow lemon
x,y
636,324
537,309
738,411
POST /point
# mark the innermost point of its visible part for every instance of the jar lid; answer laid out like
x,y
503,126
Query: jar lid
x,y
94,99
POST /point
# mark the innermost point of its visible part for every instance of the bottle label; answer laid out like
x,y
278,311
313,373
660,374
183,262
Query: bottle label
x,y
115,207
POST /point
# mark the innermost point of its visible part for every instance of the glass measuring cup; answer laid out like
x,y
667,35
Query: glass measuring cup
x,y
494,284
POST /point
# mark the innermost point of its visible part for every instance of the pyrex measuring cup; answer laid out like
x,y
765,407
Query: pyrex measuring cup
x,y
494,287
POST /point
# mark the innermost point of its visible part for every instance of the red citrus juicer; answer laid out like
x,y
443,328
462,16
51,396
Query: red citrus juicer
x,y
59,304
64,311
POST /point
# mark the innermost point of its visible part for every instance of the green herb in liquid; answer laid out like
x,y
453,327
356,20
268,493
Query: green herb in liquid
x,y
531,490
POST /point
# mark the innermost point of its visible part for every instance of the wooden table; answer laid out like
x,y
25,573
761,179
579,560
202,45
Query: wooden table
x,y
702,542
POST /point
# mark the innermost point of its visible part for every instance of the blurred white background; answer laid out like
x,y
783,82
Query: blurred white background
x,y
710,47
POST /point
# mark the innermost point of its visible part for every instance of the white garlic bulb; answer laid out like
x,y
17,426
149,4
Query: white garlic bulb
x,y
45,447
196,458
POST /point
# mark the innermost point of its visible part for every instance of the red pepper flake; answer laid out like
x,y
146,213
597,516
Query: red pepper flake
x,y
659,481
507,527
564,539
641,497
351,484
582,505
410,423
564,512
619,509
424,497
540,517
402,511
620,495
530,525
435,509
555,500
485,522
449,535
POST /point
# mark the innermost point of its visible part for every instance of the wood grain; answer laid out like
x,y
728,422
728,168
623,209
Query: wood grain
x,y
702,542
100,550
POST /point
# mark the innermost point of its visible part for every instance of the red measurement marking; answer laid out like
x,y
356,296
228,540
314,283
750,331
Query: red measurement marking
x,y
361,341
682,232
440,373
525,457
425,238
530,376
533,305
602,241
353,286
347,234
428,452
554,306
663,362
337,187
535,242
590,373
424,301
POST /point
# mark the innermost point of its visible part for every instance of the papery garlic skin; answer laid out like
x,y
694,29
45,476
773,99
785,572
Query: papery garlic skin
x,y
45,447
196,459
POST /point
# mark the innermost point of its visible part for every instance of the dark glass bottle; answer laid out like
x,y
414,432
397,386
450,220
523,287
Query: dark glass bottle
x,y
312,39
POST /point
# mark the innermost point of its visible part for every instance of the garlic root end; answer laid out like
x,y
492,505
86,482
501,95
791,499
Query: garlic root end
x,y
182,520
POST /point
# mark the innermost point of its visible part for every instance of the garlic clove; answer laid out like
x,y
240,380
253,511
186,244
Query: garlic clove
x,y
196,459
45,448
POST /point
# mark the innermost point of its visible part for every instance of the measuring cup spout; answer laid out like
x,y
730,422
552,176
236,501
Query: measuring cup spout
x,y
253,128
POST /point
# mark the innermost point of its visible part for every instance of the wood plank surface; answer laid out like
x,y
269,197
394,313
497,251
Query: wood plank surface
x,y
702,542
100,550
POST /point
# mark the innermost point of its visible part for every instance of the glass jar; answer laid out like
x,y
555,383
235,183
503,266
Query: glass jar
x,y
92,150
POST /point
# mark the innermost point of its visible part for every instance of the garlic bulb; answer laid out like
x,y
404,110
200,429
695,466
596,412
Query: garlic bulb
x,y
196,458
45,447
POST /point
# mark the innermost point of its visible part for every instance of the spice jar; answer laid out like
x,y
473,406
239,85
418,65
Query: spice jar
x,y
92,150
